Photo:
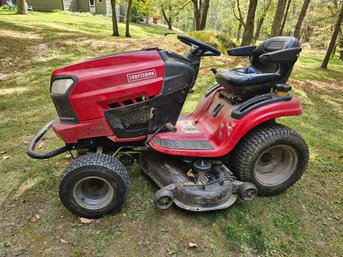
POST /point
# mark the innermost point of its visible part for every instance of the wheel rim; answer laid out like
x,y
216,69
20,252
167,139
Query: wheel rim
x,y
275,165
93,193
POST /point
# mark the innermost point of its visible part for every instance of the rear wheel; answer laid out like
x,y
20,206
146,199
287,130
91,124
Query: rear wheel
x,y
94,185
272,157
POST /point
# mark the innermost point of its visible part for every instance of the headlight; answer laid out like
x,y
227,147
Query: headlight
x,y
60,86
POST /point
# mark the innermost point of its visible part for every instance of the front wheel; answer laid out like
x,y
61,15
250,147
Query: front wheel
x,y
94,185
272,157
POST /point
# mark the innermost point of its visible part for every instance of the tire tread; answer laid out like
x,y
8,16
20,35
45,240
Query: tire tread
x,y
245,151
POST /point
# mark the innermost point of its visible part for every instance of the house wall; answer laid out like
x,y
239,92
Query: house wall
x,y
83,5
70,5
45,5
109,8
100,7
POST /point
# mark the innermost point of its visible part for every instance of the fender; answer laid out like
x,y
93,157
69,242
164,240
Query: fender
x,y
223,132
258,116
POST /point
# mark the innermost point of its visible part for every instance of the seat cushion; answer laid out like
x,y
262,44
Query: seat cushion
x,y
244,77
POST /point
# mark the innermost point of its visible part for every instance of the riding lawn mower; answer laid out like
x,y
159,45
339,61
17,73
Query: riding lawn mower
x,y
121,108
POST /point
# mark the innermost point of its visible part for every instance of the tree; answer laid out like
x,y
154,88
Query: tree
x,y
22,7
280,8
238,17
168,19
333,39
301,18
200,9
340,44
260,20
128,17
285,17
171,9
114,19
249,24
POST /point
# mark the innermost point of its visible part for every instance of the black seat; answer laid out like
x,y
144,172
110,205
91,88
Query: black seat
x,y
271,63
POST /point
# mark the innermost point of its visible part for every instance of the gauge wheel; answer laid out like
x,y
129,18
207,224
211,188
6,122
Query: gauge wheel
x,y
272,157
164,199
94,185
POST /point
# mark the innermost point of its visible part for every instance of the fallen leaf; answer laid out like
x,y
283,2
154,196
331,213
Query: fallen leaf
x,y
85,220
192,245
190,174
34,218
171,252
41,144
63,241
2,152
6,157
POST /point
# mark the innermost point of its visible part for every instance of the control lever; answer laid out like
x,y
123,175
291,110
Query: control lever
x,y
171,127
214,71
168,126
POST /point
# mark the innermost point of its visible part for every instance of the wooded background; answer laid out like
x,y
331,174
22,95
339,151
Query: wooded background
x,y
243,22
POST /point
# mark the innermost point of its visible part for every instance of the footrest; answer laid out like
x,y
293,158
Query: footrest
x,y
184,144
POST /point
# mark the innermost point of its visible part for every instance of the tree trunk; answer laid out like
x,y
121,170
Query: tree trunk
x,y
300,19
333,39
168,20
128,18
340,43
22,7
249,24
197,15
285,17
239,32
258,28
114,19
204,13
261,20
278,18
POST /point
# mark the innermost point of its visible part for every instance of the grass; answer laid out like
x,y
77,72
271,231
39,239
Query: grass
x,y
304,221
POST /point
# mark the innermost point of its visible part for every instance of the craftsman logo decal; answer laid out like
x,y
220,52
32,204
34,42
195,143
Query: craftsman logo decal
x,y
141,75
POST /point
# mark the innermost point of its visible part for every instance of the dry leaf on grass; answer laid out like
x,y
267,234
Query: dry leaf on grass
x,y
192,245
6,157
85,220
63,241
2,152
34,218
41,144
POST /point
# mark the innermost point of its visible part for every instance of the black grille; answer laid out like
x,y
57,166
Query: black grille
x,y
138,119
132,120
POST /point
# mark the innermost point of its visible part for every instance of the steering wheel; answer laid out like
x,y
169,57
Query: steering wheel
x,y
200,48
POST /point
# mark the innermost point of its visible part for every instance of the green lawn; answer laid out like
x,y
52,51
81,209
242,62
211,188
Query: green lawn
x,y
304,221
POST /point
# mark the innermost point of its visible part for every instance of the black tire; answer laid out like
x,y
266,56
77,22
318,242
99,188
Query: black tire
x,y
271,156
94,185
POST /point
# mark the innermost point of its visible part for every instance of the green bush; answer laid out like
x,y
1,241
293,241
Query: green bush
x,y
4,7
218,40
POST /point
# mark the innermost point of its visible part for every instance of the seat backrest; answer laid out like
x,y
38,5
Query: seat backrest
x,y
271,45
